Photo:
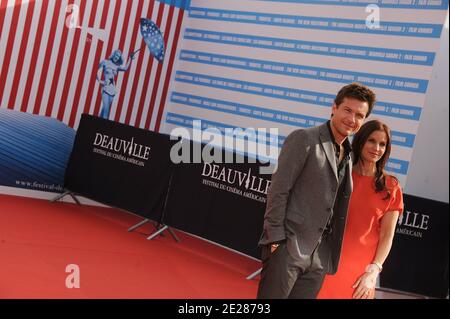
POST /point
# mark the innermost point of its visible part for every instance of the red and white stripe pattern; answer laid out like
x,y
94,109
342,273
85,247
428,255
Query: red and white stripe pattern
x,y
50,69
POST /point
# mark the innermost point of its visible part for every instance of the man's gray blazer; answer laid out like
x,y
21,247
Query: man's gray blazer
x,y
303,194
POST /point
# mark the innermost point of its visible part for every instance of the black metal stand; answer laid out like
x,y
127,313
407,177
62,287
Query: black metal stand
x,y
66,192
160,227
256,273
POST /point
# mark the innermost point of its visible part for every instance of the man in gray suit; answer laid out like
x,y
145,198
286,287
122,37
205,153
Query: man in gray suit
x,y
308,200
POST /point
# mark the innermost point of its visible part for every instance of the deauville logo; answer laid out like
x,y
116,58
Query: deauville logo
x,y
118,145
413,224
234,180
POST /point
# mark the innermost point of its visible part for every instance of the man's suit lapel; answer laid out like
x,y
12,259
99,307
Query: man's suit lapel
x,y
327,145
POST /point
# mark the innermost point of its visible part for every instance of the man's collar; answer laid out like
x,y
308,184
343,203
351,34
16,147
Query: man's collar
x,y
346,143
331,132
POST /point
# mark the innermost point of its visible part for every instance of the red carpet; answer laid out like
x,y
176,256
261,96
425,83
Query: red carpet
x,y
39,239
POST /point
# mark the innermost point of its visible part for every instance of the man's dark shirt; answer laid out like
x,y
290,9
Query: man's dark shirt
x,y
341,168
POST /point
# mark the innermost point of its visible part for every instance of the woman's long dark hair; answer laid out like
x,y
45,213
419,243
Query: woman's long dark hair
x,y
360,139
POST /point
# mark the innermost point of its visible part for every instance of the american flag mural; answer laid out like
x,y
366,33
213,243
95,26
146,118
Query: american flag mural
x,y
51,50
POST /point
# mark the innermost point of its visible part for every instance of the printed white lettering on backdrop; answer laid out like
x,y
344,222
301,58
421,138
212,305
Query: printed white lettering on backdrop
x,y
121,149
234,181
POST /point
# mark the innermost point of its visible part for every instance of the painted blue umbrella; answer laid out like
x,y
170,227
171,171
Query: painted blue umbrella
x,y
153,39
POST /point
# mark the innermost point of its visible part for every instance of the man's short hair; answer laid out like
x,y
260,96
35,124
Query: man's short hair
x,y
356,91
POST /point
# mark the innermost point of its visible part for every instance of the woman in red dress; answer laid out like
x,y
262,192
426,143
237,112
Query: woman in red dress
x,y
375,206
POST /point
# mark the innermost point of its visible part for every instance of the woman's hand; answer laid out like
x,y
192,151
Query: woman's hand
x,y
365,284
